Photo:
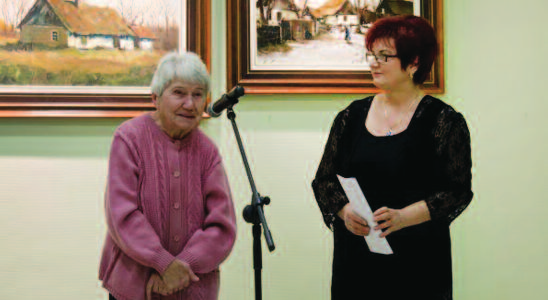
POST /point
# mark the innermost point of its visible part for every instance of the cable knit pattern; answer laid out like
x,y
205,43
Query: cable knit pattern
x,y
165,199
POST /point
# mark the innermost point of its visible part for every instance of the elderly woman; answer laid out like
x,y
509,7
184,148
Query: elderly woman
x,y
168,205
410,154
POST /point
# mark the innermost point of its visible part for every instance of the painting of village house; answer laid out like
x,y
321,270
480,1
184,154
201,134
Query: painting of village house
x,y
85,42
317,34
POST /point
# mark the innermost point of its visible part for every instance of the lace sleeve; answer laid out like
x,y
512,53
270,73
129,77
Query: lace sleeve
x,y
327,189
452,140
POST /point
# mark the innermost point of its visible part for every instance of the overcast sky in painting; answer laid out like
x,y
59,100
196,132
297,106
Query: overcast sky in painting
x,y
149,11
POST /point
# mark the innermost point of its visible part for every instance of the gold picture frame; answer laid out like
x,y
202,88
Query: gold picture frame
x,y
70,101
243,33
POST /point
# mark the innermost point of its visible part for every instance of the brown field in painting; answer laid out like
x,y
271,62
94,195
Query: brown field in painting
x,y
72,67
7,39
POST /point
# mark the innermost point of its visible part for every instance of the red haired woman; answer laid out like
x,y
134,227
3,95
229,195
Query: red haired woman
x,y
410,154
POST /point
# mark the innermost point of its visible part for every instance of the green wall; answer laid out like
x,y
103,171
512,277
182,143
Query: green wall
x,y
52,174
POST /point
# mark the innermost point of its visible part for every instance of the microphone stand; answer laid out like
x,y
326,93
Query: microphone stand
x,y
253,213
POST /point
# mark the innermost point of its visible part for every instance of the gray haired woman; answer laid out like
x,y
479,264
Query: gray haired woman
x,y
168,205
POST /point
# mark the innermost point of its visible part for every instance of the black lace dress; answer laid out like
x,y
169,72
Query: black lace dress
x,y
428,161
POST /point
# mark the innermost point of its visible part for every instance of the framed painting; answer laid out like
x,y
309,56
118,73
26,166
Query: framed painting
x,y
91,58
314,46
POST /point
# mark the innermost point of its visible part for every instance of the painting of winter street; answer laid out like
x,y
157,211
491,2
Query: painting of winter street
x,y
316,34
60,45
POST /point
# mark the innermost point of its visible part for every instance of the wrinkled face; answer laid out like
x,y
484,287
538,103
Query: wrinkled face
x,y
180,108
386,69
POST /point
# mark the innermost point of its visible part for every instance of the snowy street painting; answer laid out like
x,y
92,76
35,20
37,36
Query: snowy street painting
x,y
316,34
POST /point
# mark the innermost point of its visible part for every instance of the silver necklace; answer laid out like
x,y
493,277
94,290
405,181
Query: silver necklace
x,y
390,128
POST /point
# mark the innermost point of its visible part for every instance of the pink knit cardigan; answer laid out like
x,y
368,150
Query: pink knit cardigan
x,y
165,199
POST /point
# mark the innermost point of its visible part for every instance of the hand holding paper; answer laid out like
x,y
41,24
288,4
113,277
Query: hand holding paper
x,y
353,221
359,204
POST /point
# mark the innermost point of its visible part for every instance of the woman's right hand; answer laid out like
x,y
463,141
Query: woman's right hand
x,y
353,222
178,276
155,285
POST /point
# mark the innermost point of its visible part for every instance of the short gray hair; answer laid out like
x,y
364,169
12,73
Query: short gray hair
x,y
187,67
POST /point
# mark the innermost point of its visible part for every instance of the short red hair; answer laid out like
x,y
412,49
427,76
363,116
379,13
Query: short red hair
x,y
414,39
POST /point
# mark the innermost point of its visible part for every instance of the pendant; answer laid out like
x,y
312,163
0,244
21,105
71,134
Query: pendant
x,y
389,133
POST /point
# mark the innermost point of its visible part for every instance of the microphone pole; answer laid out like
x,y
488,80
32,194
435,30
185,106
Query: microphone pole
x,y
254,212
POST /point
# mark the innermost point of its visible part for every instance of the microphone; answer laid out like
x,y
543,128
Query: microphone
x,y
226,100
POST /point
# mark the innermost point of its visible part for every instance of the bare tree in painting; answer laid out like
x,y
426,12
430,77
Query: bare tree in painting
x,y
301,13
128,11
4,8
265,14
166,9
13,12
21,9
169,33
151,15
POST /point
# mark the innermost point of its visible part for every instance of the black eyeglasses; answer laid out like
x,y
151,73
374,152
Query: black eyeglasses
x,y
379,58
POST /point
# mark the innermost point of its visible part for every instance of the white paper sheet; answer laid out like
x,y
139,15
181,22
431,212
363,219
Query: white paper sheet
x,y
359,204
